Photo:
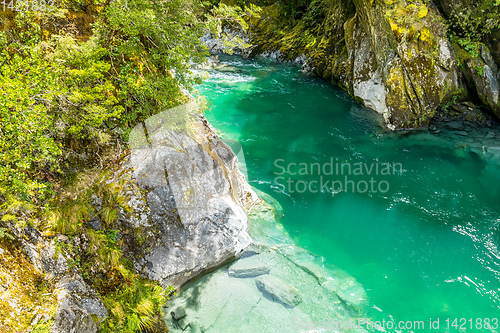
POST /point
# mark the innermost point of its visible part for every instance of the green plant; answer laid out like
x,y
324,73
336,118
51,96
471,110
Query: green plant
x,y
474,23
4,233
135,306
480,70
470,46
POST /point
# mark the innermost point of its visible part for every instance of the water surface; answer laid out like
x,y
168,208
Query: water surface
x,y
427,247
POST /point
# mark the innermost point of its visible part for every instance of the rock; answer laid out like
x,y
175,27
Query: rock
x,y
274,55
94,223
242,269
315,270
490,135
189,198
183,323
216,45
62,238
217,302
352,292
41,253
78,307
469,104
460,108
367,81
194,328
279,291
454,125
349,290
178,313
418,74
483,73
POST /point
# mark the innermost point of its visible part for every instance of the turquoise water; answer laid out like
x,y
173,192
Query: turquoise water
x,y
424,244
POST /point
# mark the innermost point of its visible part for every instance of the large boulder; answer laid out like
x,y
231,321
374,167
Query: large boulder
x,y
187,201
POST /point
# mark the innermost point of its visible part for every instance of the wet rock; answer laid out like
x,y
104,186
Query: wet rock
x,y
183,323
460,108
454,125
279,291
194,328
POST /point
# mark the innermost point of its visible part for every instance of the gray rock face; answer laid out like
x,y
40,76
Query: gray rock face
x,y
190,199
483,73
394,75
279,291
78,306
367,82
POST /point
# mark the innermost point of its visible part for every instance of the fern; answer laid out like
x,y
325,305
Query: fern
x,y
4,233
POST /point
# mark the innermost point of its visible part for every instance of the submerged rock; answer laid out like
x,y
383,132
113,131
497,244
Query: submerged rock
x,y
178,313
279,291
242,269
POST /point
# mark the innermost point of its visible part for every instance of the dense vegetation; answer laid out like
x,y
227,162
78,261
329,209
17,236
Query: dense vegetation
x,y
75,78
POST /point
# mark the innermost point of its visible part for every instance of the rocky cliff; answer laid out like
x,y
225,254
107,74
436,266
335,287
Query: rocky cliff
x,y
407,60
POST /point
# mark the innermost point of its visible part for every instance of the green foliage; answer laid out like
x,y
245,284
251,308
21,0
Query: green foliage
x,y
134,303
150,60
87,98
28,151
4,233
472,24
135,306
472,47
43,327
65,96
480,70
